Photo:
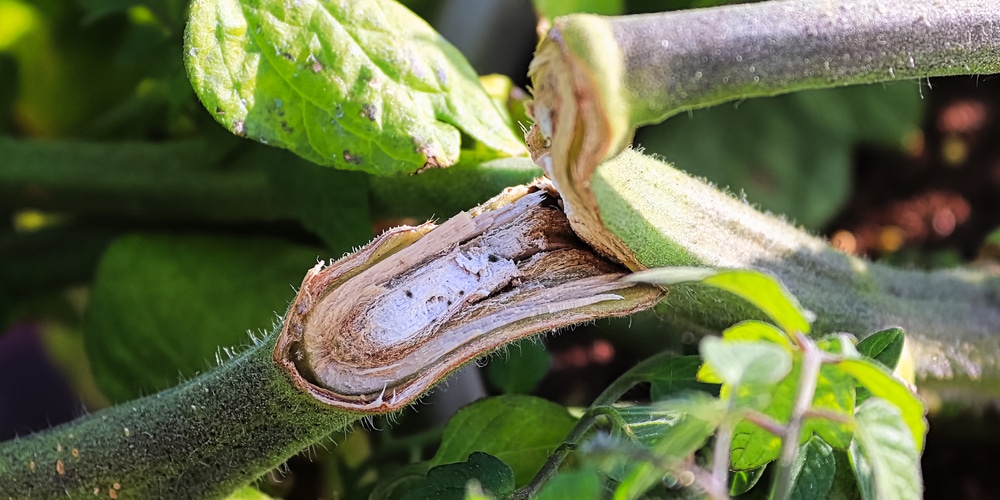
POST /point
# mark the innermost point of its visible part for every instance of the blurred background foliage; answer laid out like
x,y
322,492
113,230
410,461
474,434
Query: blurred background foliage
x,y
139,238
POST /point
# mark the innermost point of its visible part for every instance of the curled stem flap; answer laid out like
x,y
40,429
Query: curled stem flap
x,y
372,332
597,78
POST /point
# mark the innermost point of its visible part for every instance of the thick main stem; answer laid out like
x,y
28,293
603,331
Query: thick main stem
x,y
668,218
201,439
692,59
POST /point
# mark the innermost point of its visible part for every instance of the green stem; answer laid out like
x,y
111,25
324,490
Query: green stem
x,y
698,58
668,218
647,68
215,180
173,180
201,439
551,466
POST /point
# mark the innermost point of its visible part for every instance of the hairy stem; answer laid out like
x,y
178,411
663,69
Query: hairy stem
x,y
667,218
693,59
633,70
507,269
201,439
720,452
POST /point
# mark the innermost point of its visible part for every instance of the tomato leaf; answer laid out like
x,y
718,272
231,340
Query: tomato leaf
x,y
162,306
451,481
520,430
884,454
355,85
761,290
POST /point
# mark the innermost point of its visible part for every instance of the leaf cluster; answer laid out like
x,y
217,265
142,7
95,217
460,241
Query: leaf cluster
x,y
822,417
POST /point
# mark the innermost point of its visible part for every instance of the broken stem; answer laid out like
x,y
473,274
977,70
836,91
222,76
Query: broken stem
x,y
368,334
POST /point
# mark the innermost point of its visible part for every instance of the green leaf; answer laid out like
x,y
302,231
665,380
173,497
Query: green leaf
x,y
359,85
753,446
446,482
248,493
761,290
752,330
798,159
845,484
839,344
332,204
520,368
647,424
885,347
738,363
582,484
813,471
675,375
162,306
741,481
882,384
554,8
637,434
746,331
520,430
884,454
699,417
835,392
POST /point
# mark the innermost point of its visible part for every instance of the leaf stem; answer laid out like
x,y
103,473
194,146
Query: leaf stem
x,y
765,422
720,450
601,407
551,466
812,360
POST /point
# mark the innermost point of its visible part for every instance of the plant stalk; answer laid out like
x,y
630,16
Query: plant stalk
x,y
202,439
324,368
634,70
667,218
216,180
812,361
684,60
